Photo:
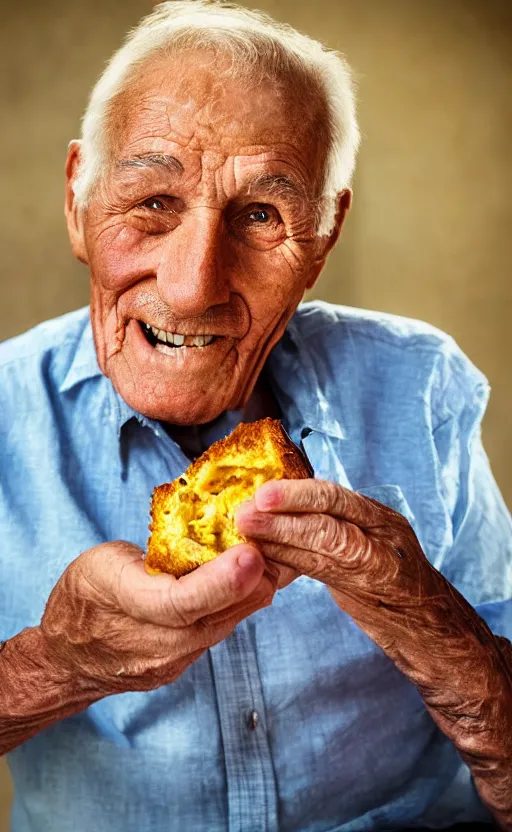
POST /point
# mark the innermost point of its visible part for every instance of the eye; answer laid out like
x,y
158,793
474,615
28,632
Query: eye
x,y
260,216
157,214
154,203
259,226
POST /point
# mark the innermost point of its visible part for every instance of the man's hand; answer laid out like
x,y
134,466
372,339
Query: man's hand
x,y
371,561
110,627
117,628
366,553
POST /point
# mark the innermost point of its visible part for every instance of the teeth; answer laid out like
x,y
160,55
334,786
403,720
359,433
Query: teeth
x,y
202,340
178,340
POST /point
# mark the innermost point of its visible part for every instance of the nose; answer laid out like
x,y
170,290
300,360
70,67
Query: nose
x,y
190,275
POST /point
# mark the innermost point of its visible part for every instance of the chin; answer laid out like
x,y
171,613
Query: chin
x,y
173,408
180,386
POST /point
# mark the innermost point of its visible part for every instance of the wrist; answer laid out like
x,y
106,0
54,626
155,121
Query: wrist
x,y
37,689
28,660
462,671
440,643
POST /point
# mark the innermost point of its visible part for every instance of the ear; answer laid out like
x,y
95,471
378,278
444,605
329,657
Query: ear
x,y
72,211
344,201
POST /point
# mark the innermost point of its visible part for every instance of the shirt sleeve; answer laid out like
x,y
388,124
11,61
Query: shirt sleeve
x,y
478,557
479,560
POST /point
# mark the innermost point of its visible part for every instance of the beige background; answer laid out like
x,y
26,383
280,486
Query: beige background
x,y
430,232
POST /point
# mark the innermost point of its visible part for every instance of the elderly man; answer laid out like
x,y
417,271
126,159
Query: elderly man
x,y
328,675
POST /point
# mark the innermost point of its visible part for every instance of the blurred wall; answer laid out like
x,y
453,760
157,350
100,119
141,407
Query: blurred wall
x,y
430,231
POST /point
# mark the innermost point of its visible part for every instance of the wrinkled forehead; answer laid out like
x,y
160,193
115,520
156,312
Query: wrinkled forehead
x,y
201,103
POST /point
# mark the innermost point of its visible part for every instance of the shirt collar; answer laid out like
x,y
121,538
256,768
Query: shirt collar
x,y
295,382
84,365
298,386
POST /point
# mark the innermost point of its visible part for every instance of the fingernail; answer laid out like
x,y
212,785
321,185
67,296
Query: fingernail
x,y
248,560
267,497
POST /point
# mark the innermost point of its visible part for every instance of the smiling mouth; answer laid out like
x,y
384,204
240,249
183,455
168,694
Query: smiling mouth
x,y
169,341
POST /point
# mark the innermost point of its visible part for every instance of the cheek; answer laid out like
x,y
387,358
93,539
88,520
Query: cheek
x,y
271,283
119,256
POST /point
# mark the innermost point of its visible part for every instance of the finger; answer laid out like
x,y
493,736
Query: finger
x,y
261,597
219,584
172,602
141,643
314,565
220,630
320,496
157,641
286,574
333,571
149,654
320,533
215,585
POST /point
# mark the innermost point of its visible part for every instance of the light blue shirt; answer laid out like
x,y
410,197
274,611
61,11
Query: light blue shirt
x,y
343,741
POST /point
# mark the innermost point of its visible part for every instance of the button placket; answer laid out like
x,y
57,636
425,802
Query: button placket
x,y
252,793
253,720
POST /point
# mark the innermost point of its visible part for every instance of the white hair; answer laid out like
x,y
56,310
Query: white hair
x,y
256,44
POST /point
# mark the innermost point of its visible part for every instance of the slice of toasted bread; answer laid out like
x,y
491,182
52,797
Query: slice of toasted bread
x,y
192,518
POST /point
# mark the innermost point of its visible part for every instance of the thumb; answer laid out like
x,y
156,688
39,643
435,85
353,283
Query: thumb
x,y
179,602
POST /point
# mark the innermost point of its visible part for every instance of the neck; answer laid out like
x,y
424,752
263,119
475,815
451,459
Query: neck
x,y
194,439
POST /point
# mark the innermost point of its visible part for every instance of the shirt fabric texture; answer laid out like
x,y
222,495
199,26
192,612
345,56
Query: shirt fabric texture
x,y
387,406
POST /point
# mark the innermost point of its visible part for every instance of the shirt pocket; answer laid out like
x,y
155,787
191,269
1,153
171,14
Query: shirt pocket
x,y
391,496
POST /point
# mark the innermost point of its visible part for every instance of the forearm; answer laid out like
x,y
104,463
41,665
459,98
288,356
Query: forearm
x,y
478,720
468,691
35,689
464,674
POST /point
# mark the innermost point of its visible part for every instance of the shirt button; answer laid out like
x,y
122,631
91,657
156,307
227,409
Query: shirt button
x,y
253,720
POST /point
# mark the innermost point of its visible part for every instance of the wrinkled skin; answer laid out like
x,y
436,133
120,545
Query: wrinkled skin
x,y
203,249
200,249
127,630
110,627
371,560
219,241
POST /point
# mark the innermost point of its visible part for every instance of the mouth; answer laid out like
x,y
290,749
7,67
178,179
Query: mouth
x,y
170,342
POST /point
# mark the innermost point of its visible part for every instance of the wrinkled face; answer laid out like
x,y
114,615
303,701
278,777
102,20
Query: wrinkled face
x,y
200,238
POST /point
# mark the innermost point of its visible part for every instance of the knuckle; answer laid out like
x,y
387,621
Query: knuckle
x,y
404,525
318,568
182,609
272,574
266,596
329,535
263,594
398,529
332,496
318,495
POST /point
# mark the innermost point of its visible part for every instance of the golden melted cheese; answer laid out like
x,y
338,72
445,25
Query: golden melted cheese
x,y
214,516
193,518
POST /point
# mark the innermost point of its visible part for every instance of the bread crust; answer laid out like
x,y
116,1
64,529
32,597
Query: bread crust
x,y
248,440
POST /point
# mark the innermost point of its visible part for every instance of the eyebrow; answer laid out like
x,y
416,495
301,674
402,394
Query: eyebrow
x,y
152,160
273,184
277,184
